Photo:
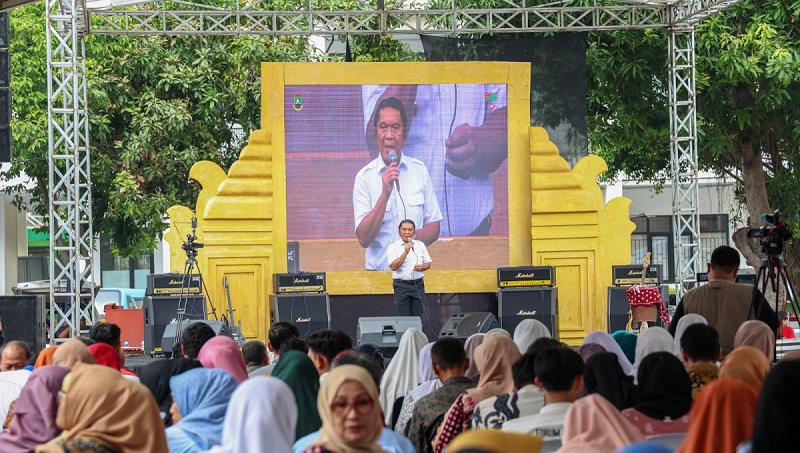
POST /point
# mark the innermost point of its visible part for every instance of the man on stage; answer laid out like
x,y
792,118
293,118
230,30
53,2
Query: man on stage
x,y
408,259
392,187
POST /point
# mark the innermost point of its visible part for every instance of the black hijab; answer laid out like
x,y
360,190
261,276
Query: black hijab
x,y
665,389
155,376
777,417
604,375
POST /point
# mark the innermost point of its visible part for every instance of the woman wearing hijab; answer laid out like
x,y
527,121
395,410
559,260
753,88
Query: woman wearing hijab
x,y
685,321
777,417
262,412
221,352
403,373
588,350
654,339
603,375
722,416
45,357
665,396
494,441
156,375
102,411
746,364
351,414
627,342
594,425
201,398
608,343
757,334
298,372
35,411
494,359
430,382
73,352
470,346
106,355
528,331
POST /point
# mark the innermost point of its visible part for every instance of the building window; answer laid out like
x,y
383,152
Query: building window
x,y
117,272
654,234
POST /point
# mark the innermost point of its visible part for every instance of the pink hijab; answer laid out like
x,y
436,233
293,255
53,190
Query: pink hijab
x,y
222,352
757,334
594,425
494,358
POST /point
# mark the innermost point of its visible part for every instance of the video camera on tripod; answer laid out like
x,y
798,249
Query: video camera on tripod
x,y
190,245
773,235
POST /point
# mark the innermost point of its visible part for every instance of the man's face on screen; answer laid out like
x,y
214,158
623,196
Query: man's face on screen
x,y
391,133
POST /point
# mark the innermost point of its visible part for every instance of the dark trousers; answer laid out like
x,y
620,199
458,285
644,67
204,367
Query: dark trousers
x,y
409,296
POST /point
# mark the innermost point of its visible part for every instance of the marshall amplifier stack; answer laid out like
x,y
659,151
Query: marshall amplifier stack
x,y
301,299
527,292
165,294
623,277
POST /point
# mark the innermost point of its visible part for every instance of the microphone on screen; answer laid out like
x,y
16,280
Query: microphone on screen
x,y
392,160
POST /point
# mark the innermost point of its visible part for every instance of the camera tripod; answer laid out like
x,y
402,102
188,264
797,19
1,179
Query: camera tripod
x,y
771,269
190,270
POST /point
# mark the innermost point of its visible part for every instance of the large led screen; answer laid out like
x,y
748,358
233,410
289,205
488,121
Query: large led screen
x,y
361,158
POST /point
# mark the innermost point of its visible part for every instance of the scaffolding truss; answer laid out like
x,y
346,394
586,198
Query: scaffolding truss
x,y
70,201
70,206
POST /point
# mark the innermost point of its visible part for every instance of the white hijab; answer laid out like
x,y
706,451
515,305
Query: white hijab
x,y
430,381
653,339
683,323
262,412
610,345
403,374
528,331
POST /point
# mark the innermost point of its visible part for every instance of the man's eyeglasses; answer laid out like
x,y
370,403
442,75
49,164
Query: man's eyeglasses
x,y
362,406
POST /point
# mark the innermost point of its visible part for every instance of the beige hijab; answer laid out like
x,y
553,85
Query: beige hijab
x,y
71,353
329,438
494,358
104,407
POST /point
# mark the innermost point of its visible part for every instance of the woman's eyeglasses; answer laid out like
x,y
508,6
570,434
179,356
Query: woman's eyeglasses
x,y
362,406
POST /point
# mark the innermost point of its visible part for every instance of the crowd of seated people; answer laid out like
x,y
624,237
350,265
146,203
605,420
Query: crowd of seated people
x,y
495,393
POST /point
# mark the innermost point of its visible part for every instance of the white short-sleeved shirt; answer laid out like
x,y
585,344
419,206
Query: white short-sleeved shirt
x,y
416,201
548,423
418,255
440,109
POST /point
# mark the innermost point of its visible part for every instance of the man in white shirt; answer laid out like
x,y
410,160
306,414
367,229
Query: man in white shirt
x,y
392,187
559,373
408,259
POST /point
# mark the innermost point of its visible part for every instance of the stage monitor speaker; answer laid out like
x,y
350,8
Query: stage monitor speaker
x,y
385,332
516,305
310,312
461,326
160,311
23,319
619,308
168,338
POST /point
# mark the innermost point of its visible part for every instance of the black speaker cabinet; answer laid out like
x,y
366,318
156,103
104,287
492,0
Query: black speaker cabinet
x,y
385,332
160,311
310,312
618,307
23,319
515,305
168,338
462,325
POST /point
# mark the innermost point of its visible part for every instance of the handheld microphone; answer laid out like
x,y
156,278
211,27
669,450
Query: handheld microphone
x,y
411,241
393,159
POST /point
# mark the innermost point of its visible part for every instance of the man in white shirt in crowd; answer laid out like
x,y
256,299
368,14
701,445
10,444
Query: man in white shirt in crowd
x,y
559,373
408,260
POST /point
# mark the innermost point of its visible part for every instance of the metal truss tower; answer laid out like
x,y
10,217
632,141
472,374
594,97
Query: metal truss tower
x,y
71,236
70,200
683,155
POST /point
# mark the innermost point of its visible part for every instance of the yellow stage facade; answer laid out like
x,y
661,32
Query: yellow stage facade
x,y
555,215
